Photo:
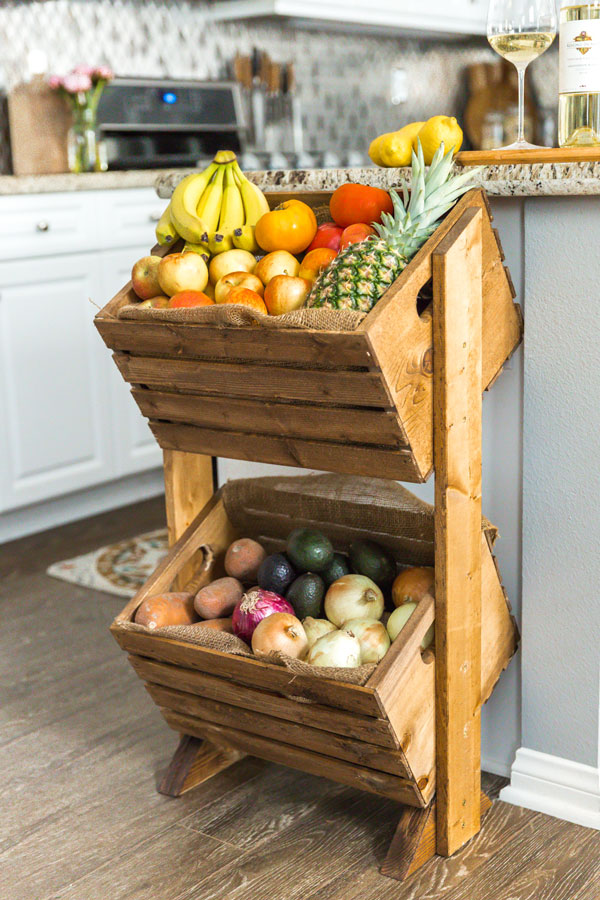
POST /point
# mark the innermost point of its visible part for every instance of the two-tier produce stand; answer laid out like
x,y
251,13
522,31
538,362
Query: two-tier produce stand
x,y
397,398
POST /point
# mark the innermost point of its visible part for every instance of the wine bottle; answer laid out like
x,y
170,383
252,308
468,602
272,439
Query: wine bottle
x,y
579,79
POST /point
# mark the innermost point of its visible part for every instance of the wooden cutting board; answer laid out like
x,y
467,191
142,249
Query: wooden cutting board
x,y
528,157
39,120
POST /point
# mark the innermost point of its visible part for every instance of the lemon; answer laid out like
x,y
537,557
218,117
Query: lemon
x,y
438,130
375,149
396,149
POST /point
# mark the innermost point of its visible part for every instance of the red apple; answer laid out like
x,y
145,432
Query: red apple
x,y
279,262
285,293
315,262
237,279
144,277
182,272
159,302
328,235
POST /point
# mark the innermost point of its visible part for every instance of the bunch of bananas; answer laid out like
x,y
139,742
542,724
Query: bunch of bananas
x,y
214,210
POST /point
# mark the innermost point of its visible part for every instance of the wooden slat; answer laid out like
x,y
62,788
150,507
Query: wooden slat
x,y
457,264
326,718
193,763
251,672
257,381
326,349
299,420
541,155
188,487
347,459
280,730
355,776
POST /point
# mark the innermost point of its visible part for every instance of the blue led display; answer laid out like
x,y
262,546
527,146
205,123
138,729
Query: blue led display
x,y
169,97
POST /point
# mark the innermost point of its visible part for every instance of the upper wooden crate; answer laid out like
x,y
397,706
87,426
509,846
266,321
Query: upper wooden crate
x,y
355,402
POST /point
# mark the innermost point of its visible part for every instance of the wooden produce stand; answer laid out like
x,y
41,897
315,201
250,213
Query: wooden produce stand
x,y
397,398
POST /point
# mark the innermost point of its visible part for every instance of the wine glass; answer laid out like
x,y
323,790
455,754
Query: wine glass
x,y
520,31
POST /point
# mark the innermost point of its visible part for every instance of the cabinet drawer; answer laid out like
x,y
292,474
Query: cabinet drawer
x,y
130,217
36,225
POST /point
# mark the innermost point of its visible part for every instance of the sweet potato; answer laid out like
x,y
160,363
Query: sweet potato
x,y
217,624
218,599
166,609
243,559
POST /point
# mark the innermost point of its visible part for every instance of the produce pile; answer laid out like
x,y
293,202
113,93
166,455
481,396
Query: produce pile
x,y
238,251
309,603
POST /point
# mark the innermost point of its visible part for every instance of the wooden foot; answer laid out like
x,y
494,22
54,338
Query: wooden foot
x,y
414,842
193,762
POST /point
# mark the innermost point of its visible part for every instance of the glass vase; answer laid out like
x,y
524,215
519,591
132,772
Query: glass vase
x,y
86,152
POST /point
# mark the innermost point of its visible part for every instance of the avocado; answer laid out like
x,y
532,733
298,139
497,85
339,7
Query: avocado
x,y
309,550
306,595
276,573
337,568
374,561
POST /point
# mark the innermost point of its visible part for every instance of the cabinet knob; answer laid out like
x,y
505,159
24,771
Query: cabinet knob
x,y
155,217
43,226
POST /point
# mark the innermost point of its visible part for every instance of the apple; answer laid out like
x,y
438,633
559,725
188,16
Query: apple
x,y
237,279
328,235
242,296
190,298
285,293
182,272
280,262
231,261
158,302
315,262
144,277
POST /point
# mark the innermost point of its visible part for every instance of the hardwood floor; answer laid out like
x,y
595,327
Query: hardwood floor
x,y
82,748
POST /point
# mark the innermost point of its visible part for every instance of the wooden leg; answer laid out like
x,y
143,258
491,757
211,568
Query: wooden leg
x,y
457,302
193,762
188,486
414,842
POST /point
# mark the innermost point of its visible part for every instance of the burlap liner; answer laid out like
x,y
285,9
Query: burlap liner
x,y
231,315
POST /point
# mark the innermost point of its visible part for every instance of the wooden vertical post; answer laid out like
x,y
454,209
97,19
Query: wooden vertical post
x,y
457,316
188,486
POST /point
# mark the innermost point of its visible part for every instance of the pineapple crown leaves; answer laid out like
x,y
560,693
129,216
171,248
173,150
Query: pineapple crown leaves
x,y
431,195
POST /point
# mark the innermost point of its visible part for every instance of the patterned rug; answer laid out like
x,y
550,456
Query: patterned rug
x,y
119,569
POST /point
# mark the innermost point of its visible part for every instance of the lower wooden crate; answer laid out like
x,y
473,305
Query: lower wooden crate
x,y
379,737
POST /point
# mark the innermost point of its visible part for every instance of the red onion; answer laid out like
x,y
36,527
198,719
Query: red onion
x,y
255,606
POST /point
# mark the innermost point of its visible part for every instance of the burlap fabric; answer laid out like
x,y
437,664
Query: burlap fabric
x,y
229,315
345,507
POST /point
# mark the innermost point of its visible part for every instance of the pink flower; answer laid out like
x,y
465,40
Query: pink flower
x,y
103,72
82,69
76,83
55,81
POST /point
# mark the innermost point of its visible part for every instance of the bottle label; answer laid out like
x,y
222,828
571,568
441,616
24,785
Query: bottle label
x,y
579,65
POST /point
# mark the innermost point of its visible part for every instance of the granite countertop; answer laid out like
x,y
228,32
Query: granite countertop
x,y
549,179
91,181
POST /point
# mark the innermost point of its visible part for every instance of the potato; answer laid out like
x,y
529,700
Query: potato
x,y
217,624
166,609
243,559
217,600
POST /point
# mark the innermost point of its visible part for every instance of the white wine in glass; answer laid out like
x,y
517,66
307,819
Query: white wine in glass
x,y
520,31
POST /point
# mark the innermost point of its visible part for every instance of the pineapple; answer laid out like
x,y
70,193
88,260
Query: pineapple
x,y
360,275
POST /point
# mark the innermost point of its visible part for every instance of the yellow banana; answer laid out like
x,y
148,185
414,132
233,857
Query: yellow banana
x,y
184,203
255,206
209,207
200,249
232,215
243,239
165,232
225,156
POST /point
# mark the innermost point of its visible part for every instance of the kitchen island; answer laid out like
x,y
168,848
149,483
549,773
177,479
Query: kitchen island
x,y
541,483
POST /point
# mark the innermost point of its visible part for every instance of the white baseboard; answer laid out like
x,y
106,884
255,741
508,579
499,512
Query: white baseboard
x,y
80,505
559,787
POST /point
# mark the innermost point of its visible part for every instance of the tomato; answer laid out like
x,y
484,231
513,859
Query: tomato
x,y
353,234
352,203
328,235
291,226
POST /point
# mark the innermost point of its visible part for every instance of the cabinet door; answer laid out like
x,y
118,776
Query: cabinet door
x,y
135,446
54,435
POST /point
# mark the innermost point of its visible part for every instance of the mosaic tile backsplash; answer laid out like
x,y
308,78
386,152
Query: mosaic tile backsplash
x,y
344,79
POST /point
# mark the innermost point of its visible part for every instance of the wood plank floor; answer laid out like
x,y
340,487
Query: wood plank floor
x,y
82,748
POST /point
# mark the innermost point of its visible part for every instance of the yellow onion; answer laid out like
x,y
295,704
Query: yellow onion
x,y
338,649
353,597
411,585
400,617
372,636
316,628
280,633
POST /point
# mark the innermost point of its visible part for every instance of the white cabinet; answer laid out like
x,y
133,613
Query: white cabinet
x,y
54,401
135,445
443,17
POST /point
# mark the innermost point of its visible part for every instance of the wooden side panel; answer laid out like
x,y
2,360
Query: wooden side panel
x,y
193,763
457,450
188,486
355,776
281,730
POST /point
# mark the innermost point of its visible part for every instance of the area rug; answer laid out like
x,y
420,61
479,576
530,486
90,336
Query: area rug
x,y
119,569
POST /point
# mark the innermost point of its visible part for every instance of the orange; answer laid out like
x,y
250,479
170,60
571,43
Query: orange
x,y
291,227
